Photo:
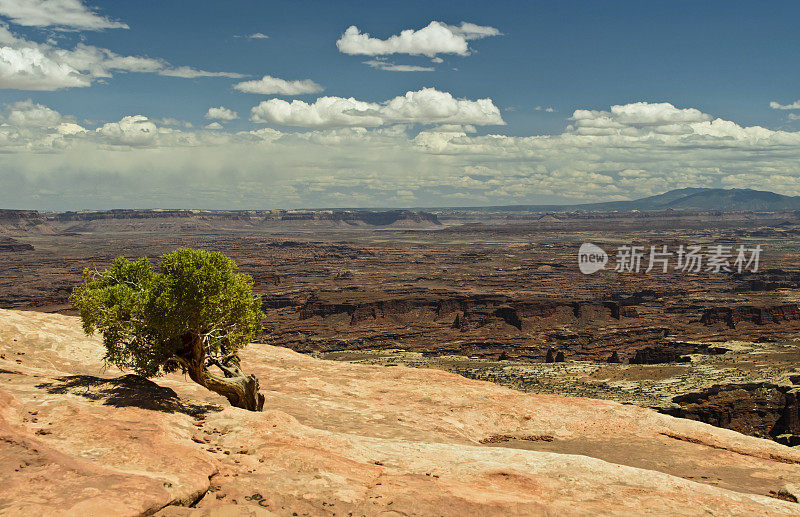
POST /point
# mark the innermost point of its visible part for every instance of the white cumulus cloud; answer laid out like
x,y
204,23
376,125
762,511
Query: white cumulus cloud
x,y
29,114
629,119
136,130
426,106
436,38
324,112
221,113
430,106
32,69
269,85
63,14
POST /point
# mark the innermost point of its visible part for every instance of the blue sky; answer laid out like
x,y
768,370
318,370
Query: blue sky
x,y
693,84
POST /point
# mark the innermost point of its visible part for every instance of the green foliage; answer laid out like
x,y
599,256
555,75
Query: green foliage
x,y
148,318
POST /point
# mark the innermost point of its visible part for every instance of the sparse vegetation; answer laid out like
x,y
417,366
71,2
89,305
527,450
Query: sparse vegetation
x,y
194,314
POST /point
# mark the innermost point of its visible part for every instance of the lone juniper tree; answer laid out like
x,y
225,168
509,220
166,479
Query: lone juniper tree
x,y
192,315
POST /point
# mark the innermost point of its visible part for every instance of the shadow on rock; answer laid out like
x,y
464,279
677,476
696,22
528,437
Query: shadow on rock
x,y
127,391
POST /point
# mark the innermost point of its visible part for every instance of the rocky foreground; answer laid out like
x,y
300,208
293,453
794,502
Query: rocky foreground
x,y
343,439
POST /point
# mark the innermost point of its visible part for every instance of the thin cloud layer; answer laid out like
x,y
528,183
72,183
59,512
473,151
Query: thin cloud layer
x,y
639,154
269,85
188,72
436,38
471,31
27,65
777,106
60,14
382,64
426,106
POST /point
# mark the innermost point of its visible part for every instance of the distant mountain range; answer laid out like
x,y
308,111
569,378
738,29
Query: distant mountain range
x,y
684,199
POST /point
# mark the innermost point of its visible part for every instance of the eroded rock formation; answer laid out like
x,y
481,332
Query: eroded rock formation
x,y
758,409
731,316
8,244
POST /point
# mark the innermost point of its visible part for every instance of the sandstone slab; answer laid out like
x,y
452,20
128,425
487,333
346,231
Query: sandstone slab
x,y
335,438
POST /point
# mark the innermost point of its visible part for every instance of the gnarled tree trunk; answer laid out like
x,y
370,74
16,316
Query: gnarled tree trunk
x,y
241,390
